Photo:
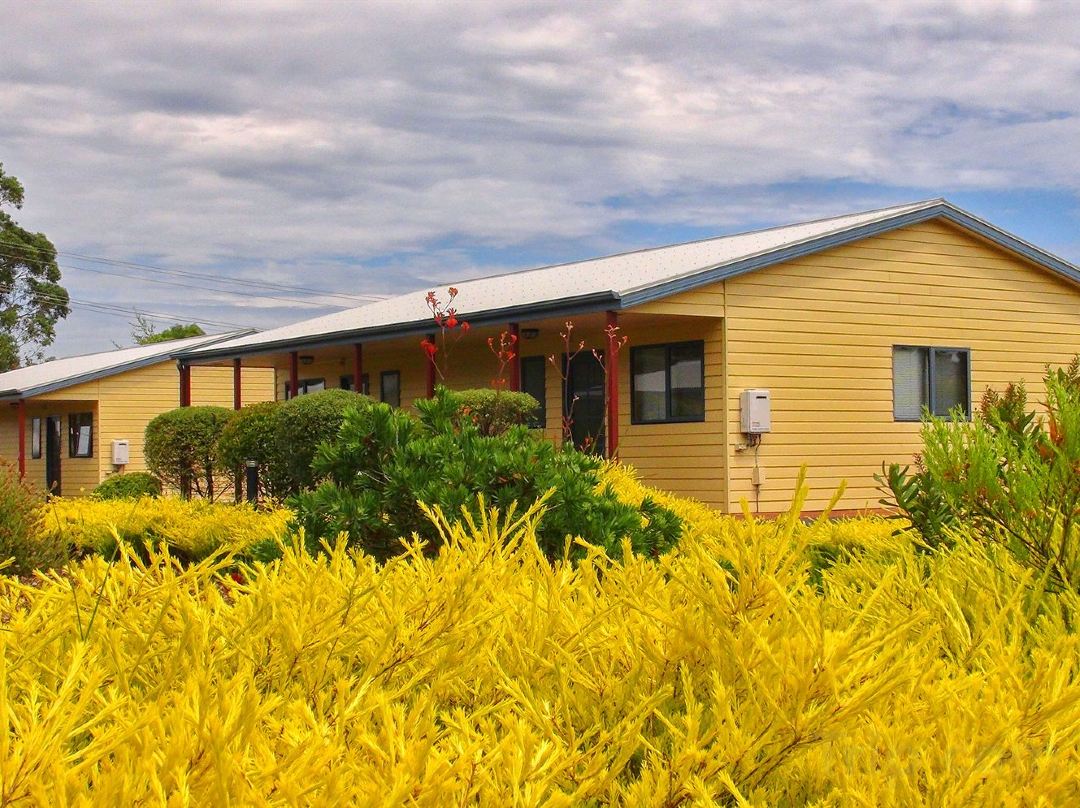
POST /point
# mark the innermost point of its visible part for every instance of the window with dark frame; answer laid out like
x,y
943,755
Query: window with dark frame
x,y
305,386
935,379
667,383
390,388
346,383
35,438
533,382
81,434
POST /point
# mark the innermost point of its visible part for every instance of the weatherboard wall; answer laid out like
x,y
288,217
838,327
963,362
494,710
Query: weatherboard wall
x,y
123,404
818,332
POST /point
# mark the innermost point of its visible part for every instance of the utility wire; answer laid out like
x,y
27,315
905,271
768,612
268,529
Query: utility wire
x,y
108,308
280,287
293,301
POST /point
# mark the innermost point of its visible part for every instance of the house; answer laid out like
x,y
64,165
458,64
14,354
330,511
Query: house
x,y
60,420
748,355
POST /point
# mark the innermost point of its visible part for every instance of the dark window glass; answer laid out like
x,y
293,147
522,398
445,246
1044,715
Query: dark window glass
x,y
305,386
35,438
81,434
668,383
390,388
347,383
938,379
533,382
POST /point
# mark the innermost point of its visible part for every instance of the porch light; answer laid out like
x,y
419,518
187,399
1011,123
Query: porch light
x,y
530,333
307,359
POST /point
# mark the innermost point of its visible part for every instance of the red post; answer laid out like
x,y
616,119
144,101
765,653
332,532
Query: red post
x,y
185,385
358,367
612,365
515,363
431,372
294,374
22,437
237,389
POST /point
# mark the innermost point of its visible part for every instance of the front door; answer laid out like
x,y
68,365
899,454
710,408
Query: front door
x,y
54,433
584,401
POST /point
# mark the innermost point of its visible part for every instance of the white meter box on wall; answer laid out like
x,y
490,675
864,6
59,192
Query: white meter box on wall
x,y
755,412
121,452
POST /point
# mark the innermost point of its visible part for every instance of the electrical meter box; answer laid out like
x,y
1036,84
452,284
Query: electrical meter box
x,y
121,452
755,412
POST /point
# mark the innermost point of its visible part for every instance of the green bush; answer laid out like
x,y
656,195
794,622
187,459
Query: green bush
x,y
251,435
300,425
384,461
20,517
182,450
1008,475
494,411
133,485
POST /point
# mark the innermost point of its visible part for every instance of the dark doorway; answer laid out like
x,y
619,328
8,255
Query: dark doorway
x,y
584,401
54,433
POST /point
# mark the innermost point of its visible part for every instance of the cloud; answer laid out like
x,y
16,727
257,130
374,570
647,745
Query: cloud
x,y
371,147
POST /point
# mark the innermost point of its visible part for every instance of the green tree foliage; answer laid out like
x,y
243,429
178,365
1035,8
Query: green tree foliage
x,y
1009,474
182,450
384,461
132,485
31,297
144,332
494,411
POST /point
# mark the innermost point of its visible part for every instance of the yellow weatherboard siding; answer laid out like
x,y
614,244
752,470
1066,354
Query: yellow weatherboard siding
x,y
818,333
123,404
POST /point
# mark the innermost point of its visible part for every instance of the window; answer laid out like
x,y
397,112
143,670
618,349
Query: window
x,y
305,386
938,379
347,384
668,383
390,388
81,434
533,383
35,438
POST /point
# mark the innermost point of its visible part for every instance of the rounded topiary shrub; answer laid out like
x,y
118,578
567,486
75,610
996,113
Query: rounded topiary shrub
x,y
301,424
493,412
182,450
250,435
132,485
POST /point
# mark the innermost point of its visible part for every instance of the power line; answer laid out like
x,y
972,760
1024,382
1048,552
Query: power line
x,y
294,301
108,308
280,287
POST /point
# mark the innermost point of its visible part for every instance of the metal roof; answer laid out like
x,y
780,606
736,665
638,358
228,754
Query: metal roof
x,y
617,281
35,380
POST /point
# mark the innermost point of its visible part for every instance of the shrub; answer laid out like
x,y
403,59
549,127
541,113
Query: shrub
x,y
132,485
1008,476
301,424
384,462
192,529
493,412
20,517
182,450
251,435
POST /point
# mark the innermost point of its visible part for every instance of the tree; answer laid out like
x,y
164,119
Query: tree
x,y
31,297
144,332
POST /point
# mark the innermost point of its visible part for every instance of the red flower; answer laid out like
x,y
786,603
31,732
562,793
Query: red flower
x,y
453,291
451,321
464,326
429,347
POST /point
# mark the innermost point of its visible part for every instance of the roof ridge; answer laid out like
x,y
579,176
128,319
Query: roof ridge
x,y
227,335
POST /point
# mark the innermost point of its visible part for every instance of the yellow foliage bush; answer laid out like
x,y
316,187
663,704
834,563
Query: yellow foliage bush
x,y
193,529
718,674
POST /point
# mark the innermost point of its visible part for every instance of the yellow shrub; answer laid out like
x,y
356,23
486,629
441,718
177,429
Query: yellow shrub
x,y
484,675
192,528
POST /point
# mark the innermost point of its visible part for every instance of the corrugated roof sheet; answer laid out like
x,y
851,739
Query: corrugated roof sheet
x,y
626,278
617,274
60,373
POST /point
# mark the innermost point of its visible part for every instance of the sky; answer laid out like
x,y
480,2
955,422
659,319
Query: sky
x,y
372,148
